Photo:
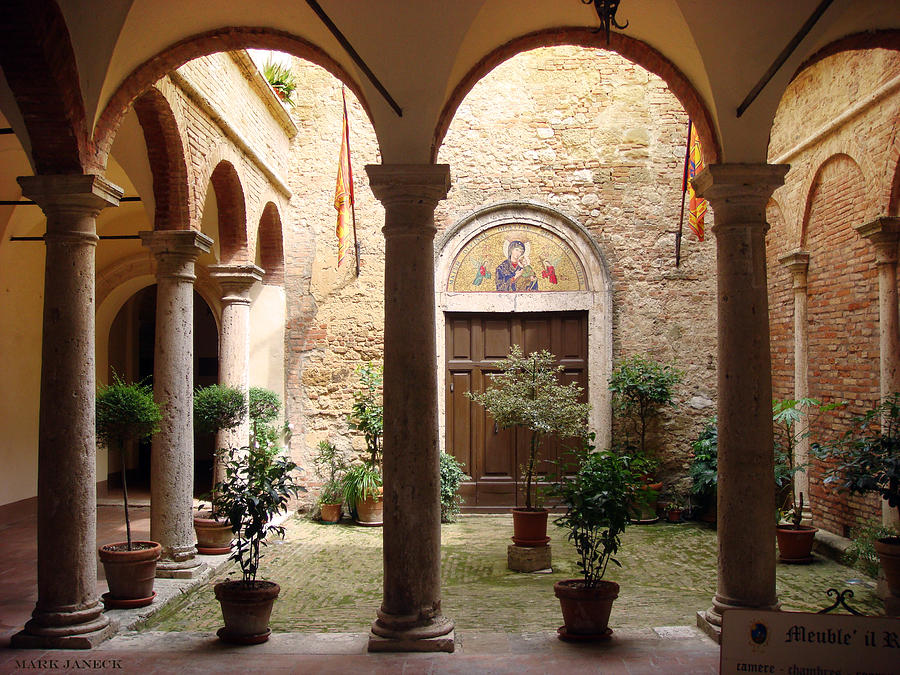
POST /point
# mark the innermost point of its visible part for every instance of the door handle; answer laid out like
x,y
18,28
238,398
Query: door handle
x,y
496,428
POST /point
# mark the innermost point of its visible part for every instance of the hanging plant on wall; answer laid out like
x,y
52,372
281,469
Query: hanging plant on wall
x,y
281,79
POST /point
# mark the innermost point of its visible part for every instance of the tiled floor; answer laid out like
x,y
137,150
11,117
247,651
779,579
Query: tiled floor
x,y
629,651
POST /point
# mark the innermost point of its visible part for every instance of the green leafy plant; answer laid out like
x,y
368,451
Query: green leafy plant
x,y
329,465
126,412
861,552
367,413
218,408
360,482
641,387
263,408
704,468
596,499
282,80
527,394
256,488
867,456
452,475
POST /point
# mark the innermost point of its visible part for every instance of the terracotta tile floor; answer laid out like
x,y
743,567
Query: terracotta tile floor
x,y
631,651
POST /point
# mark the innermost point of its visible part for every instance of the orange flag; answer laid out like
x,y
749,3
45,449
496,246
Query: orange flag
x,y
343,192
696,206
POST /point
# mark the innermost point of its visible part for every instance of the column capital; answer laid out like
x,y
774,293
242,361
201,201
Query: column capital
x,y
409,183
179,242
236,280
738,193
884,233
85,192
797,262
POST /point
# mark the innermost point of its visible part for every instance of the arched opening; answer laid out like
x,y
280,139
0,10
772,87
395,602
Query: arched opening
x,y
132,338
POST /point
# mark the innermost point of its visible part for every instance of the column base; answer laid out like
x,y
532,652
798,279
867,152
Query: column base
x,y
186,569
441,643
85,635
710,621
714,631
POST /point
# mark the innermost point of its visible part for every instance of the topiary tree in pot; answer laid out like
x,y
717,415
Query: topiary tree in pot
x,y
597,500
216,408
257,487
126,412
867,461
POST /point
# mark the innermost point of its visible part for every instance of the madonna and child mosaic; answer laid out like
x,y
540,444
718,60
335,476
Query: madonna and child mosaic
x,y
516,259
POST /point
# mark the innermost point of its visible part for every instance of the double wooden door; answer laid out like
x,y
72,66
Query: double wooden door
x,y
493,456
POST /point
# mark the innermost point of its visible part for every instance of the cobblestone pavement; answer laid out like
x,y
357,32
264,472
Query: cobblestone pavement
x,y
332,582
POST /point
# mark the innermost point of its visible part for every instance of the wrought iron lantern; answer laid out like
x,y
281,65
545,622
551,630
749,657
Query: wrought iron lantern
x,y
606,10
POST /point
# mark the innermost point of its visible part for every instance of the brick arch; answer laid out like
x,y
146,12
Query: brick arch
x,y
232,213
877,39
39,66
835,151
165,152
634,50
210,42
892,172
270,245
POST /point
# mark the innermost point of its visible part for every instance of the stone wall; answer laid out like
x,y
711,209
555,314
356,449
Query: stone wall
x,y
837,128
585,132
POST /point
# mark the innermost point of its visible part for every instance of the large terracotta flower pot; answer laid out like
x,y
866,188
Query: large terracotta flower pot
x,y
330,513
795,543
213,535
246,609
129,574
585,610
888,550
370,511
530,527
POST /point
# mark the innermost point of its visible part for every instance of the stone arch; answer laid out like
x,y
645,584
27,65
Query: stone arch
x,y
823,161
210,42
39,67
270,245
634,50
165,152
232,213
595,296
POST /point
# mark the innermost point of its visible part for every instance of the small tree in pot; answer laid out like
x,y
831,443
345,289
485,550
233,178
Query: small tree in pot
x,y
127,412
256,488
868,461
597,499
362,482
329,465
527,394
216,408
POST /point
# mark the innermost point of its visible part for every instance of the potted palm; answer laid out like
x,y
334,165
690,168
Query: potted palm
x,y
867,461
362,483
257,486
329,465
597,500
127,412
526,393
216,408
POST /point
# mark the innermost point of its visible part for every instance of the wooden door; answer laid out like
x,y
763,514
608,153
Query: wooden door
x,y
493,456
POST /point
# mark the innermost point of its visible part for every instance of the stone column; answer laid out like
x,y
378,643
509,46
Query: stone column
x,y
884,233
234,341
798,264
172,458
68,612
738,194
410,617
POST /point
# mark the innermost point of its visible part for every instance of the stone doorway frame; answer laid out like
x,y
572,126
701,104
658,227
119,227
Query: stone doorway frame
x,y
596,300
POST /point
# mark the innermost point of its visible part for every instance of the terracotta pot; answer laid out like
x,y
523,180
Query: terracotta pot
x,y
370,511
246,609
213,535
585,610
129,574
795,543
888,549
330,513
530,527
673,515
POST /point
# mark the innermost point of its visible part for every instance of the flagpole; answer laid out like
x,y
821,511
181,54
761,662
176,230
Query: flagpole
x,y
350,178
687,156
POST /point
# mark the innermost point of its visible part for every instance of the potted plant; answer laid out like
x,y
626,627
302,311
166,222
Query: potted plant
x,y
452,475
263,406
127,412
362,482
597,499
281,79
216,408
641,388
704,470
256,488
676,507
329,465
526,393
795,540
868,461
